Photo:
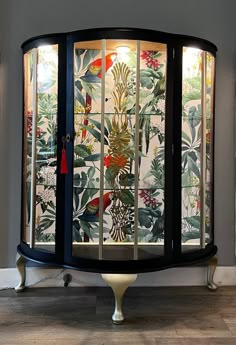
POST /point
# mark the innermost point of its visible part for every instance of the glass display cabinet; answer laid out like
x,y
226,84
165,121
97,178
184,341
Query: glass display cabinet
x,y
118,153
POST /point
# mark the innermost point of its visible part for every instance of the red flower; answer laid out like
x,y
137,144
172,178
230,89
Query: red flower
x,y
150,58
107,161
148,199
119,161
29,124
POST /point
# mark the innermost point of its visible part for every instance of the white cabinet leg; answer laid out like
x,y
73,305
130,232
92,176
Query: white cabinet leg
x,y
20,265
119,284
210,273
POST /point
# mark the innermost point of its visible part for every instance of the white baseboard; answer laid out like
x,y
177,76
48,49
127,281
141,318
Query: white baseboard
x,y
182,276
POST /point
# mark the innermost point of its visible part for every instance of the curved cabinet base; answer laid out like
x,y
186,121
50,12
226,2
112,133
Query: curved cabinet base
x,y
119,284
115,266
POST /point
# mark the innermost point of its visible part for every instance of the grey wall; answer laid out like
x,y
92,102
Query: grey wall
x,y
20,20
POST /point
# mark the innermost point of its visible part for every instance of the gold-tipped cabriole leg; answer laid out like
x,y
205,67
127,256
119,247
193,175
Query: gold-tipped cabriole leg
x,y
210,273
119,284
20,265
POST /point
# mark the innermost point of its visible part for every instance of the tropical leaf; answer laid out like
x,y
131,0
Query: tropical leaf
x,y
194,95
146,82
82,150
78,163
98,125
193,155
127,197
93,191
158,227
46,223
87,228
108,122
187,138
190,235
91,172
126,179
193,166
94,157
79,97
144,218
76,192
52,212
160,87
85,198
97,135
194,116
110,176
88,87
194,221
78,53
76,232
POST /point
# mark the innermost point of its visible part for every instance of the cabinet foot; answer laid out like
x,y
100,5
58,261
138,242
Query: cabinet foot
x,y
119,284
210,273
20,265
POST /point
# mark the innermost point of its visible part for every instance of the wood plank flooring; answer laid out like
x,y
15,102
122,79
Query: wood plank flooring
x,y
154,316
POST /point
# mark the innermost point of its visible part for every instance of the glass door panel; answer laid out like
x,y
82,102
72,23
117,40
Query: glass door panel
x,y
210,72
197,103
119,121
29,101
41,84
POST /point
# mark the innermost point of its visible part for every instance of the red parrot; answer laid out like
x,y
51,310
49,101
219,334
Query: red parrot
x,y
95,68
94,75
91,212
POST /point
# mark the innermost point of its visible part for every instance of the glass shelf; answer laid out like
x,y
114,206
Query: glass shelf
x,y
111,114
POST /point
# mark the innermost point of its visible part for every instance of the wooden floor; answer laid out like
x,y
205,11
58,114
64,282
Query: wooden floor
x,y
82,316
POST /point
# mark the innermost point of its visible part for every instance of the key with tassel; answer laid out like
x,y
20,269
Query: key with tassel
x,y
63,166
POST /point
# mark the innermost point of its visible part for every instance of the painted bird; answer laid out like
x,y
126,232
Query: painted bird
x,y
94,71
94,75
91,212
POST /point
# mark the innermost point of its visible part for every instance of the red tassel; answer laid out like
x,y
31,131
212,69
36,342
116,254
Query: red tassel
x,y
64,168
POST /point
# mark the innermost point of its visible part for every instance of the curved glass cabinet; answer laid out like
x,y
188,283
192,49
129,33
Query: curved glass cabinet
x,y
118,150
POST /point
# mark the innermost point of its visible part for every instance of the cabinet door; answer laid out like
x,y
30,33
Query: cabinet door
x,y
40,146
197,148
119,149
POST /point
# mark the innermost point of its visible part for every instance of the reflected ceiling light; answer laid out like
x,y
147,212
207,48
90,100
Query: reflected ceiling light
x,y
123,53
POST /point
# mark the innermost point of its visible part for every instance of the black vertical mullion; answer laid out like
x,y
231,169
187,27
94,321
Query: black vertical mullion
x,y
212,158
61,123
168,192
69,129
177,137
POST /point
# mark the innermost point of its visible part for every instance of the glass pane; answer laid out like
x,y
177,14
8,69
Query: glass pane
x,y
191,235
191,147
29,79
46,147
118,229
87,147
197,119
151,203
210,70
